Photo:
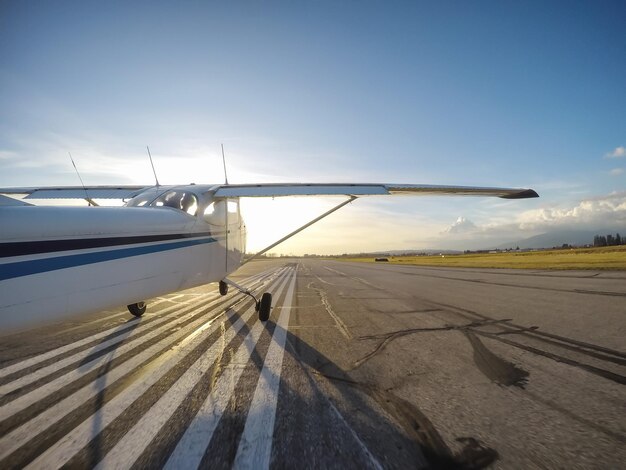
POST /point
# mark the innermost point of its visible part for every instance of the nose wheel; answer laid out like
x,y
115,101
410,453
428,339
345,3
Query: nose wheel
x,y
263,307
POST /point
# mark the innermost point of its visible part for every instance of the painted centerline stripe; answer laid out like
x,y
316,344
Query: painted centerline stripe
x,y
255,445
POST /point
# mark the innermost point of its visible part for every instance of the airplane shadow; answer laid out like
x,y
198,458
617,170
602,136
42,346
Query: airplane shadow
x,y
96,451
378,412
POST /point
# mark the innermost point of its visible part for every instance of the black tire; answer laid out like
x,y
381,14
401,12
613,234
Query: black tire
x,y
223,288
137,309
265,306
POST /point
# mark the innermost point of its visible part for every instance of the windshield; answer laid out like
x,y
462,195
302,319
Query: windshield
x,y
182,200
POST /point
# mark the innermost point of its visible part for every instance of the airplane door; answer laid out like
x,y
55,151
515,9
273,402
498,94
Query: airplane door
x,y
226,225
233,235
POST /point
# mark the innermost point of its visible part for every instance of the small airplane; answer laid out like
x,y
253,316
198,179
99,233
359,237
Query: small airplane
x,y
62,261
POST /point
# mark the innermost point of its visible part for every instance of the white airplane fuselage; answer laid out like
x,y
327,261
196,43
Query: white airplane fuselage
x,y
60,261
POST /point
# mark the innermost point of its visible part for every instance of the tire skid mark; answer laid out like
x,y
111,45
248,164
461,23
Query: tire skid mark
x,y
620,379
520,272
586,422
535,333
494,367
390,337
474,455
506,284
544,337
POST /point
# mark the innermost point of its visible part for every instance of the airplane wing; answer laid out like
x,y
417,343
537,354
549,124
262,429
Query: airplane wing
x,y
277,190
315,189
76,192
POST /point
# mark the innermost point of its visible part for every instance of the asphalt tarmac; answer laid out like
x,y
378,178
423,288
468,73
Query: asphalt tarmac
x,y
359,366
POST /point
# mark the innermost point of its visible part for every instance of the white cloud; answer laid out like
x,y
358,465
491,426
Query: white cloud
x,y
461,225
616,171
591,213
7,154
603,212
618,152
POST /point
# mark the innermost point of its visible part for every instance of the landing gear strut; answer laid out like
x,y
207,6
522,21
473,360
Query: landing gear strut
x,y
137,309
263,306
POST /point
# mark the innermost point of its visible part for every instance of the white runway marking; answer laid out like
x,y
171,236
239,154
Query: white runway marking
x,y
81,435
121,338
192,446
147,366
128,449
90,339
19,436
37,394
256,440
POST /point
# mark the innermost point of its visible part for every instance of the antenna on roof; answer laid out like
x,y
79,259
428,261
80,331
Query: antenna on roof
x,y
224,162
87,198
153,170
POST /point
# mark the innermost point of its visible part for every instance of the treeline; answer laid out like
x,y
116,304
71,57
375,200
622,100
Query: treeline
x,y
608,240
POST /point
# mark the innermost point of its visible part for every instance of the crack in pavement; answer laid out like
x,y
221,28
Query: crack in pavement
x,y
341,326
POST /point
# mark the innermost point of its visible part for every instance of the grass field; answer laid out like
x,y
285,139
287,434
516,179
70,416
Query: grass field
x,y
610,257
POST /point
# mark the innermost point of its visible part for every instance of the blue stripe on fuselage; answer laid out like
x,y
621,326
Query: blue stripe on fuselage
x,y
26,268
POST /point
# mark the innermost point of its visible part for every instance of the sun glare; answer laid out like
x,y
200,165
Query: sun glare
x,y
268,220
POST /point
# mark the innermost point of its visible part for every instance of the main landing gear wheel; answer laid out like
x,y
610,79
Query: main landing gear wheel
x,y
223,288
264,306
137,309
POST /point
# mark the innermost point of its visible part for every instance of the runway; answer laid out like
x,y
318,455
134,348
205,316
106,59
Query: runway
x,y
359,366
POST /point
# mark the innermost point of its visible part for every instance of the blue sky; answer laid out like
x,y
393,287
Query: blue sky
x,y
524,94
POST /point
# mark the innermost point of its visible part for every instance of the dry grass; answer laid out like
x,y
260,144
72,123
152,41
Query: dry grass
x,y
613,257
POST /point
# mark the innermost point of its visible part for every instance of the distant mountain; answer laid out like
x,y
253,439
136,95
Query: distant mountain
x,y
559,238
430,251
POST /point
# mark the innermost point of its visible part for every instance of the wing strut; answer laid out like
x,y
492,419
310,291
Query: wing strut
x,y
317,219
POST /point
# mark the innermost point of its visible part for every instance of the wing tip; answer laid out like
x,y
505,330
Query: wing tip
x,y
523,194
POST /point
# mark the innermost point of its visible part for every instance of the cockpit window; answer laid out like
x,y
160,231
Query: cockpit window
x,y
140,201
181,200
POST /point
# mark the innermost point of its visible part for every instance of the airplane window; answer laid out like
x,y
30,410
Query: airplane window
x,y
186,202
214,213
139,201
210,209
189,203
232,207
